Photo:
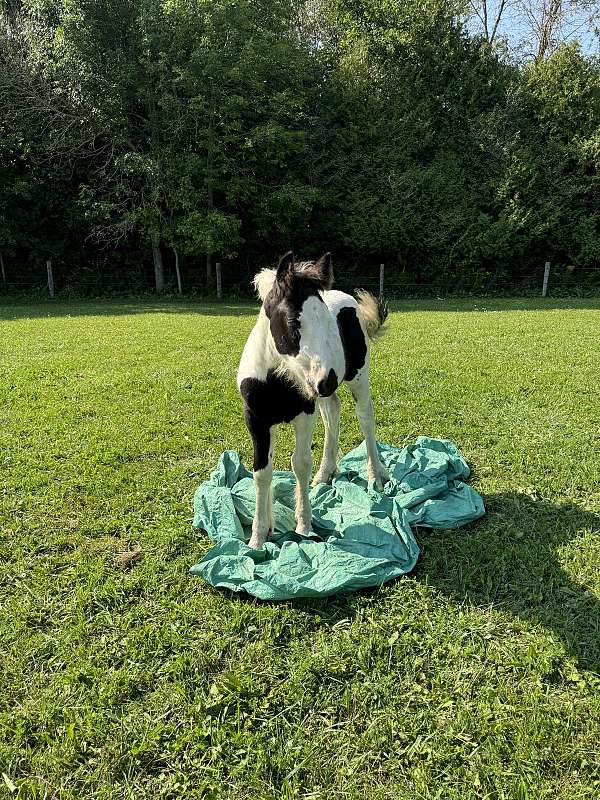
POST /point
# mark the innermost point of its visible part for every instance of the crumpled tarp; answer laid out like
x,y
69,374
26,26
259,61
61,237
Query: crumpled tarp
x,y
361,537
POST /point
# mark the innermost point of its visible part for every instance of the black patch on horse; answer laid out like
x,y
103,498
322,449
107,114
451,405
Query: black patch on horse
x,y
268,403
353,341
283,306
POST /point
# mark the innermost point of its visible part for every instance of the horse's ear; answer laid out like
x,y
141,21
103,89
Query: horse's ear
x,y
285,269
323,271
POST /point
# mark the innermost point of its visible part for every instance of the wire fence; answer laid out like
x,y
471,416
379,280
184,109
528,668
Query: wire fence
x,y
561,281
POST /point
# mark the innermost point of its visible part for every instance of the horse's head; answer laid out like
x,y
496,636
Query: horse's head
x,y
304,331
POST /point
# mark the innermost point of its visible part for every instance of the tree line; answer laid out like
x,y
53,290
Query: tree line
x,y
136,135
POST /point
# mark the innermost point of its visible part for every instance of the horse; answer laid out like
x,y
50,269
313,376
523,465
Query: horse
x,y
307,339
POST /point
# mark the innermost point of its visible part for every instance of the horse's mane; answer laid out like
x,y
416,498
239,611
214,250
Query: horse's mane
x,y
264,280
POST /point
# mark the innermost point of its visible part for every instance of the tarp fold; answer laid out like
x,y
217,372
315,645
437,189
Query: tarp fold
x,y
361,537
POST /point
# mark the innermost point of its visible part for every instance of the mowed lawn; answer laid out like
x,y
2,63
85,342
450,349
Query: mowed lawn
x,y
477,676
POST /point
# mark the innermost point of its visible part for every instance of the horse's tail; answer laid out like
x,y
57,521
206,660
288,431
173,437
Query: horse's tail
x,y
373,312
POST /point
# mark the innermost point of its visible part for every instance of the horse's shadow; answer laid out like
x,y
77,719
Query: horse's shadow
x,y
511,559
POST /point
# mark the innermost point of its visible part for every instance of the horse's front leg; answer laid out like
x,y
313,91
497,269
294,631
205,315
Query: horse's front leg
x,y
263,524
302,466
330,412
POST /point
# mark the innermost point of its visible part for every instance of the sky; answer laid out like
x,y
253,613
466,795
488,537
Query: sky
x,y
515,29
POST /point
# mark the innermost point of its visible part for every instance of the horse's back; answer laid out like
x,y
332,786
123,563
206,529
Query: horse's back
x,y
336,300
355,341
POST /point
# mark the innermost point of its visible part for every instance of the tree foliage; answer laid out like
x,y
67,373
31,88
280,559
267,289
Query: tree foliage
x,y
232,130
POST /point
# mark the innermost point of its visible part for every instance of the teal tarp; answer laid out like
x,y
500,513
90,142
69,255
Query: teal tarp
x,y
361,537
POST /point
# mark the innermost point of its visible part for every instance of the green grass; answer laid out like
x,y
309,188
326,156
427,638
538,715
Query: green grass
x,y
475,677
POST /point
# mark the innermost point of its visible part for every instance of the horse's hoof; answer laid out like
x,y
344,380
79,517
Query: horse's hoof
x,y
304,530
257,540
323,477
380,480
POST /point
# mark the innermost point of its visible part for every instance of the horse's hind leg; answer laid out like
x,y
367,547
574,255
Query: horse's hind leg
x,y
366,418
302,465
330,411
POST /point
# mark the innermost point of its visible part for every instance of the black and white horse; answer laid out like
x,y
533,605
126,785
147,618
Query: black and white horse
x,y
307,339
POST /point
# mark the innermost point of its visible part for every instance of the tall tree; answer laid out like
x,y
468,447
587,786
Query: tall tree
x,y
232,130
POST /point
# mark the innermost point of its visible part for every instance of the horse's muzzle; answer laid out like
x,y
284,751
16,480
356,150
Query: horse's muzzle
x,y
328,385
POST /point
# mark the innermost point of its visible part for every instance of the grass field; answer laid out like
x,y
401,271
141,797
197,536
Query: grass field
x,y
475,677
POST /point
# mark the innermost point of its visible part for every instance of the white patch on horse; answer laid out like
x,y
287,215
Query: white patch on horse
x,y
259,354
320,347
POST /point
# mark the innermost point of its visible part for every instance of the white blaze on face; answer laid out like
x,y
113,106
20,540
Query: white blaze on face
x,y
320,344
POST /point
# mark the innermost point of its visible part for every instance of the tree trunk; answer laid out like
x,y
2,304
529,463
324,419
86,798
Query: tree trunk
x,y
550,20
219,285
159,273
179,290
497,22
485,20
3,272
208,271
209,185
50,278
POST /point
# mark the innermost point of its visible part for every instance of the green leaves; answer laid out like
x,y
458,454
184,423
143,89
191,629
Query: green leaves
x,y
380,130
213,231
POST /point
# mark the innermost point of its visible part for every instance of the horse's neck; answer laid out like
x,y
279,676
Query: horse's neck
x,y
259,355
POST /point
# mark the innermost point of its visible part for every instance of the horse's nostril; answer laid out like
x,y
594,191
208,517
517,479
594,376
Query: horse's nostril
x,y
328,385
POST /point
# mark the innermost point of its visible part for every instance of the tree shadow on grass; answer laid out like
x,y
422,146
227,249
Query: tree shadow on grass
x,y
510,559
483,304
12,308
116,308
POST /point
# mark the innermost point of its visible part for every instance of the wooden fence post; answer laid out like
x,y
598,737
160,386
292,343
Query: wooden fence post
x,y
50,278
546,276
218,271
381,270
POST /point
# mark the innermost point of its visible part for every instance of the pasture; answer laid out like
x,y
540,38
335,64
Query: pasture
x,y
477,676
